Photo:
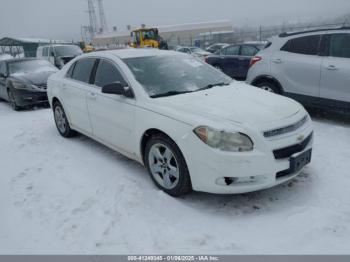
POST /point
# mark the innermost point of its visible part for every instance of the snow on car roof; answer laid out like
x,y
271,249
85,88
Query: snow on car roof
x,y
132,53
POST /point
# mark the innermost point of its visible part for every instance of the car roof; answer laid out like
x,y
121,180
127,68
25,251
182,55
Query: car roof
x,y
133,53
319,30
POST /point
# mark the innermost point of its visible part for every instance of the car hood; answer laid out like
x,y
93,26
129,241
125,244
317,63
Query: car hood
x,y
238,103
34,78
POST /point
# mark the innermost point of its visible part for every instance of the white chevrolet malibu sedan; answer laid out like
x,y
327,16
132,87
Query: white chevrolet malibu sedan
x,y
193,127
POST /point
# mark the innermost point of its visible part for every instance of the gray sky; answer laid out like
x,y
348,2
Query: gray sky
x,y
61,19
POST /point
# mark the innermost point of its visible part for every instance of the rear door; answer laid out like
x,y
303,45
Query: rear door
x,y
246,54
335,70
112,116
229,62
74,92
297,65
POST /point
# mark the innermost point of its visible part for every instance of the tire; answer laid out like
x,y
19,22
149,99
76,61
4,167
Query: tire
x,y
269,87
12,100
61,121
167,166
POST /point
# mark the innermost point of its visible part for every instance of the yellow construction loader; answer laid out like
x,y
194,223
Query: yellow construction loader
x,y
147,37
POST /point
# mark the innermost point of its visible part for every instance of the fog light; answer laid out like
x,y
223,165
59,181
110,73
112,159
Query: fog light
x,y
228,181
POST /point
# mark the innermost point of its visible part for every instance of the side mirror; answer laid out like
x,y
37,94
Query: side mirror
x,y
117,88
2,75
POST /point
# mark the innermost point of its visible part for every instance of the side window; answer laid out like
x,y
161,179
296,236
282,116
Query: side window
x,y
223,51
247,50
45,51
70,71
107,73
82,70
306,45
232,50
340,45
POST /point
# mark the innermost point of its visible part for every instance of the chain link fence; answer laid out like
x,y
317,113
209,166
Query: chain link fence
x,y
246,34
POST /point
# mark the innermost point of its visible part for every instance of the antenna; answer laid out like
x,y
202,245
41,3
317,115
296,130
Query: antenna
x,y
103,20
92,17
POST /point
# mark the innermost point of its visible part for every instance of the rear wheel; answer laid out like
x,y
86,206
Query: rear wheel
x,y
269,87
62,121
12,100
167,166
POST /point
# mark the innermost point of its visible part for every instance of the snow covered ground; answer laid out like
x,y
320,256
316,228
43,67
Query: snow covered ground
x,y
60,196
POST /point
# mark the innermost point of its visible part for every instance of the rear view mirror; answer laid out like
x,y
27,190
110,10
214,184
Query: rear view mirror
x,y
117,88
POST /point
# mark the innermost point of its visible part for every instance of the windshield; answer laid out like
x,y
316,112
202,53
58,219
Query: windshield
x,y
174,74
69,50
149,34
30,66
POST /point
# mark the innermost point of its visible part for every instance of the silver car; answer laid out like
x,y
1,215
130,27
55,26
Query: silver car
x,y
312,67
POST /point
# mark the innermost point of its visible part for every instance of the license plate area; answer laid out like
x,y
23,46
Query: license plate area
x,y
299,161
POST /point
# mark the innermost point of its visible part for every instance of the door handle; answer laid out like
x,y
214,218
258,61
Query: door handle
x,y
331,68
277,60
64,86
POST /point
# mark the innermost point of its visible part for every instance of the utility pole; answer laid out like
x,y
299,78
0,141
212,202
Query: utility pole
x,y
103,19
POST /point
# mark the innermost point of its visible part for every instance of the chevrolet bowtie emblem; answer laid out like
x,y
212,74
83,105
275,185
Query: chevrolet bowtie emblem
x,y
300,138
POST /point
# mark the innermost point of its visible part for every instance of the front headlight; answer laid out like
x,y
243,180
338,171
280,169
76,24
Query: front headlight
x,y
19,85
225,141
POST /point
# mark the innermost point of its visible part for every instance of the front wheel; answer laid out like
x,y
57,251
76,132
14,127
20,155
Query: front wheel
x,y
62,121
12,100
167,166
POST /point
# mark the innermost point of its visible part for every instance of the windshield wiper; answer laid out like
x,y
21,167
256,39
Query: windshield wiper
x,y
213,85
171,93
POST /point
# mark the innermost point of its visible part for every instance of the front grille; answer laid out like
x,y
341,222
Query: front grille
x,y
286,129
291,150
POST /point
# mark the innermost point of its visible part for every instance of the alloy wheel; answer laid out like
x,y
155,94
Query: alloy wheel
x,y
60,119
12,100
163,166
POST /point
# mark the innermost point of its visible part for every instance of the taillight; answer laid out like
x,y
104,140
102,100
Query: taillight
x,y
254,60
206,59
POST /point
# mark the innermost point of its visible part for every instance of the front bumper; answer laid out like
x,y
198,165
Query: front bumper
x,y
218,172
30,97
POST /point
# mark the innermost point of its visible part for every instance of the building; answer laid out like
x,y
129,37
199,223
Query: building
x,y
183,34
26,47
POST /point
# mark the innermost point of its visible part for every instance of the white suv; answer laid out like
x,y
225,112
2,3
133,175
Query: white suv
x,y
312,67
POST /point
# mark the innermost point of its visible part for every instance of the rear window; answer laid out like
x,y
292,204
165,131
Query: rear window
x,y
306,45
